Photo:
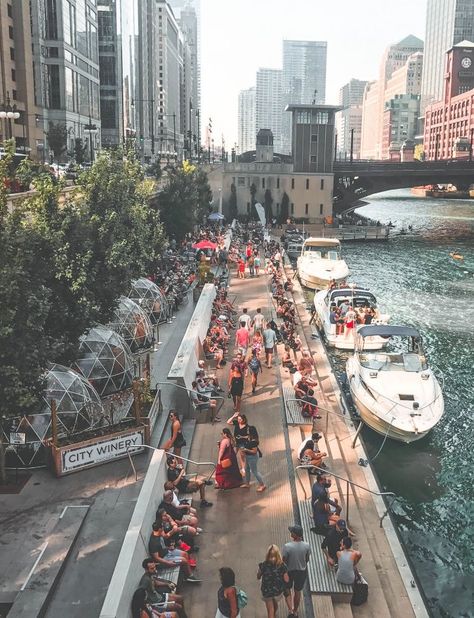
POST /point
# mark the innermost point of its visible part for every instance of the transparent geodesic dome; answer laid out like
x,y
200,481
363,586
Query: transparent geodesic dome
x,y
78,408
151,299
133,324
105,360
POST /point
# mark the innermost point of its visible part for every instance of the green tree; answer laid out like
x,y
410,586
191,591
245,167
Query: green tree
x,y
253,201
79,151
268,201
177,203
233,212
285,208
57,138
204,195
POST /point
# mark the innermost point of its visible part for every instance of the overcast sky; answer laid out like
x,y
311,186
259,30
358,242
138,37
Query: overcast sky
x,y
240,36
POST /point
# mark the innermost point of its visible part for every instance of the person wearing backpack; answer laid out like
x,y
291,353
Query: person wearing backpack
x,y
275,580
255,366
230,599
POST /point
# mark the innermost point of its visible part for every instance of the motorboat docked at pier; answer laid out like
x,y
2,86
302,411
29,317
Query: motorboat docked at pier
x,y
358,298
395,392
320,261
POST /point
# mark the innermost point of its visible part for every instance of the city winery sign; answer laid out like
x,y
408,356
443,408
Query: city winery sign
x,y
92,453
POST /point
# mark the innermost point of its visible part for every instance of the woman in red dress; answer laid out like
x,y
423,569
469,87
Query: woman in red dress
x,y
227,471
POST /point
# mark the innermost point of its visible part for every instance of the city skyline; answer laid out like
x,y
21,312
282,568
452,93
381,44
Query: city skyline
x,y
230,54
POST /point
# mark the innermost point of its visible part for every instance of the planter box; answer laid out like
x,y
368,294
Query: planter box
x,y
99,450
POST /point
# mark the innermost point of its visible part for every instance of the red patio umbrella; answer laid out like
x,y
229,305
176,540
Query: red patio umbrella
x,y
205,244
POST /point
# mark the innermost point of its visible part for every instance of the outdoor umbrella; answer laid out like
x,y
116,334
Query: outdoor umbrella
x,y
216,216
205,244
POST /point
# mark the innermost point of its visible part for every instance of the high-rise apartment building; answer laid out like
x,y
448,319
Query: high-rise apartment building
x,y
66,66
268,103
189,25
395,57
16,80
349,119
303,79
246,120
448,22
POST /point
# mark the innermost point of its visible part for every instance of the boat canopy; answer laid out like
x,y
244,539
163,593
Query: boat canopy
x,y
321,242
344,292
385,330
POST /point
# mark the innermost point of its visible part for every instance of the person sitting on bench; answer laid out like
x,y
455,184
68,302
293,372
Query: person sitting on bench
x,y
203,403
176,475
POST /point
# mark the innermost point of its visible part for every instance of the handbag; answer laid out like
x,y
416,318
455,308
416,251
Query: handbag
x,y
226,463
360,590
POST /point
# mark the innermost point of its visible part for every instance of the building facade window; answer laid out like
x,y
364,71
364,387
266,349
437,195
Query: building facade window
x,y
10,31
54,99
248,208
10,10
306,209
12,53
314,137
241,181
292,208
292,183
314,159
51,21
322,184
13,75
321,208
307,184
263,183
278,183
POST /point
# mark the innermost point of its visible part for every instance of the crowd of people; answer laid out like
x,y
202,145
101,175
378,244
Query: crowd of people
x,y
247,341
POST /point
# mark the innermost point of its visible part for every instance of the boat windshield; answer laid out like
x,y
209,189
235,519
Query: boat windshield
x,y
322,253
408,361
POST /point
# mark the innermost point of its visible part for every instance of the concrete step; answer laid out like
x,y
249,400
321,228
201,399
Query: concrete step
x,y
342,610
33,600
323,606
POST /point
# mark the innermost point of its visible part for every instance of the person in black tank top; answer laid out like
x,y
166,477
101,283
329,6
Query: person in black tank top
x,y
176,441
227,595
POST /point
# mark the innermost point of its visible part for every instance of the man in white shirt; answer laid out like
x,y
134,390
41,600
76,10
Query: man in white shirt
x,y
258,321
245,318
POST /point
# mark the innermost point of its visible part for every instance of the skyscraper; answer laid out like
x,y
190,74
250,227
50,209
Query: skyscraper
x,y
268,103
448,22
246,119
303,79
349,119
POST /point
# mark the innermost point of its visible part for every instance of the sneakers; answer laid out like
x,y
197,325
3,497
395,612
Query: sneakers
x,y
198,530
245,486
205,503
192,579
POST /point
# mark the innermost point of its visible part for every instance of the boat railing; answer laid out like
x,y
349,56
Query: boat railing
x,y
383,494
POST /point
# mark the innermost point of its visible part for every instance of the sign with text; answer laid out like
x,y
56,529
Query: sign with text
x,y
18,438
105,449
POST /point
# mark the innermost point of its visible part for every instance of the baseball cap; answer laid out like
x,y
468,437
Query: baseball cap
x,y
341,524
296,530
316,436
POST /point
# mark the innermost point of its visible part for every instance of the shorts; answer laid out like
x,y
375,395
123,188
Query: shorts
x,y
237,387
186,518
297,579
269,350
164,600
174,554
275,598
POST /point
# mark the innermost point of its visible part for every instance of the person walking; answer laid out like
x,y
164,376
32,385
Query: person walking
x,y
296,556
241,432
238,370
242,338
176,441
227,606
256,264
258,321
274,575
227,470
252,455
269,342
347,559
255,366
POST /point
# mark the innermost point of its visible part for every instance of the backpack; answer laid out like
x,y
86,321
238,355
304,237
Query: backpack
x,y
242,598
254,364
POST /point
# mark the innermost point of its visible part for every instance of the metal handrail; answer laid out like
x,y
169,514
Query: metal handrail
x,y
348,482
190,390
154,448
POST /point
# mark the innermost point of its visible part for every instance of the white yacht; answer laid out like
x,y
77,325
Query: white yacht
x,y
364,304
320,261
396,393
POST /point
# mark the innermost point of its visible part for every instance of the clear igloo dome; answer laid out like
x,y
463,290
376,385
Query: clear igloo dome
x,y
78,408
133,324
151,299
105,360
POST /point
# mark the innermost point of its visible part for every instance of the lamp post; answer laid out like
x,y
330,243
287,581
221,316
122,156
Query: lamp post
x,y
9,112
90,128
470,145
198,115
352,145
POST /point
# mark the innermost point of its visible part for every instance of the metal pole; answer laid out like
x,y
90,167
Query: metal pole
x,y
152,126
335,146
470,146
174,133
54,422
352,145
347,501
90,139
199,135
359,429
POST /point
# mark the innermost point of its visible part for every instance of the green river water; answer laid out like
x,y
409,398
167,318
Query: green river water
x,y
416,281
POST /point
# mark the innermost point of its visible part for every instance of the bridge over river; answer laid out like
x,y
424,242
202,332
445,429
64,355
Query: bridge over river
x,y
359,179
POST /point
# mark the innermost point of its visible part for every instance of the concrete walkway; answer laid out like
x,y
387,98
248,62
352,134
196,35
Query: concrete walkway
x,y
27,519
243,523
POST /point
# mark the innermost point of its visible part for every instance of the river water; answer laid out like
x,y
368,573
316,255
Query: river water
x,y
416,281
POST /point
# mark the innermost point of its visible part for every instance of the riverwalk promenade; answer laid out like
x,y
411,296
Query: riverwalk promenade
x,y
243,523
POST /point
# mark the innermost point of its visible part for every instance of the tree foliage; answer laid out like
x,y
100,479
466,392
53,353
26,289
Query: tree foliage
x,y
285,208
268,201
79,151
57,138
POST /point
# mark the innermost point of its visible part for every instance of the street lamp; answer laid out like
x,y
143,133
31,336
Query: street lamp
x,y
9,112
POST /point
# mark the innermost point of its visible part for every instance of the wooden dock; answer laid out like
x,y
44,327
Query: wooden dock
x,y
242,523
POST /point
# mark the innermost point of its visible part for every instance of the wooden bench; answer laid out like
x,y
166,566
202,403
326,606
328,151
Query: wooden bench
x,y
293,409
322,579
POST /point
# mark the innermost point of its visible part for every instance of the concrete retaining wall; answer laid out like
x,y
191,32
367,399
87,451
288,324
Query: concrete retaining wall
x,y
128,568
